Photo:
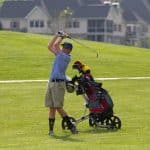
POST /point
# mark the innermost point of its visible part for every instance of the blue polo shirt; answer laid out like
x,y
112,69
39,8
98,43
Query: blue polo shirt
x,y
60,65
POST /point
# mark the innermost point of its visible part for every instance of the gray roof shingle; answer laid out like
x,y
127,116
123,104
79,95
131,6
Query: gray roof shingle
x,y
135,7
132,8
91,2
19,9
56,6
93,11
16,9
128,15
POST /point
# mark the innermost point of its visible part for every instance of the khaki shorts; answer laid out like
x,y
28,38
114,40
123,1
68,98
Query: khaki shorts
x,y
55,94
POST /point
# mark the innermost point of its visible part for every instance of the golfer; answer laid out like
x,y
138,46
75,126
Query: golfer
x,y
55,93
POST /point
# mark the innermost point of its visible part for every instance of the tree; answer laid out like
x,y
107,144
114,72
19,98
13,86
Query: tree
x,y
65,17
147,42
0,26
60,19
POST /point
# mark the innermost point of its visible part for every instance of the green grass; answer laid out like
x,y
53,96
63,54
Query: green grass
x,y
23,117
1,1
149,42
25,56
24,124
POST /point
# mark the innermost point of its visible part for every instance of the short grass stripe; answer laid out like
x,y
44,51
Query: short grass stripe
x,y
99,79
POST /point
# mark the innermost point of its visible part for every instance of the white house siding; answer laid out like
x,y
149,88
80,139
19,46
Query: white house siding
x,y
6,23
149,30
23,24
148,33
82,30
116,16
37,14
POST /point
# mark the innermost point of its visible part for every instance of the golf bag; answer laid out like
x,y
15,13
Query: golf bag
x,y
97,99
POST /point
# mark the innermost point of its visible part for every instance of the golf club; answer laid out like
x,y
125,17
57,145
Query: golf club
x,y
83,45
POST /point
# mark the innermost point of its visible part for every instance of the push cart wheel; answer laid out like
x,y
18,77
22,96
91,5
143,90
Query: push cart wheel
x,y
95,122
91,123
113,122
64,123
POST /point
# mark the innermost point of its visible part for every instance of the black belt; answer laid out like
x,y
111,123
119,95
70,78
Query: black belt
x,y
57,80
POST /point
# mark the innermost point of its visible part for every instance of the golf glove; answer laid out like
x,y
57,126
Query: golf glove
x,y
62,34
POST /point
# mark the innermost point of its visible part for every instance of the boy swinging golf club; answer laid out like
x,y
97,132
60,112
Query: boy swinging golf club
x,y
54,98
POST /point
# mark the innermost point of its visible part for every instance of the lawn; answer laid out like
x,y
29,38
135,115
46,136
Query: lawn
x,y
23,117
24,124
25,56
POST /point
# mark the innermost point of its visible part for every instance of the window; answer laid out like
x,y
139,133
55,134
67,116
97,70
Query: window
x,y
36,23
14,24
41,24
119,28
31,24
109,24
95,37
128,29
115,27
100,38
76,24
69,25
49,23
91,37
100,25
91,25
73,24
144,28
95,25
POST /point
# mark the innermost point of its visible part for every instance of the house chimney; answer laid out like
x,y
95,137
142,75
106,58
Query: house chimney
x,y
116,4
107,2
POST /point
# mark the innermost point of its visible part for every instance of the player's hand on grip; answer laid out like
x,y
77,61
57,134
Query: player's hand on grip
x,y
62,34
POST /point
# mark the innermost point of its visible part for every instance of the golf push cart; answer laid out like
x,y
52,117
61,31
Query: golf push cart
x,y
105,119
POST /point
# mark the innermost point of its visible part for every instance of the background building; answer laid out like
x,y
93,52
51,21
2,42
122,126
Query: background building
x,y
120,22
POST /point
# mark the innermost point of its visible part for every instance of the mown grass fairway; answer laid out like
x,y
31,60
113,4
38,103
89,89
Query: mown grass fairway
x,y
23,117
25,56
23,123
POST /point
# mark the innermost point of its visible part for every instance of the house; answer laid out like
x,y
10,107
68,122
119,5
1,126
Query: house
x,y
23,16
136,14
87,19
98,20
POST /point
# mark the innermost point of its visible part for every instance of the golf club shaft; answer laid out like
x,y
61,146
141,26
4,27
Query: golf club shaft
x,y
83,45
